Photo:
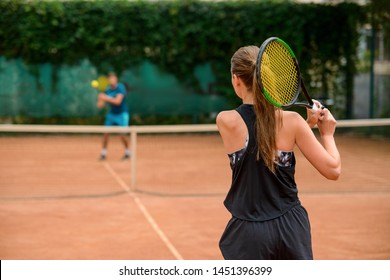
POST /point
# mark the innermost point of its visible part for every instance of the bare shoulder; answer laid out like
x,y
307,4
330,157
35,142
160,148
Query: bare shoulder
x,y
233,130
291,115
292,118
228,118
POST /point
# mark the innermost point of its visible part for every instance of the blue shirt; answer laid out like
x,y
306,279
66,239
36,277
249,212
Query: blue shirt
x,y
113,92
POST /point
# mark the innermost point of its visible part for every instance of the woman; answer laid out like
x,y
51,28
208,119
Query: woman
x,y
268,221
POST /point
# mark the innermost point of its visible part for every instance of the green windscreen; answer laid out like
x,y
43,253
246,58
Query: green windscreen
x,y
45,90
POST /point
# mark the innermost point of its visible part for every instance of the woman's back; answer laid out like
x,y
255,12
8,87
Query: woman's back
x,y
291,130
257,193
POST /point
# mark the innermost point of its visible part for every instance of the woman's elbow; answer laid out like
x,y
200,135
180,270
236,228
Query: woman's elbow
x,y
333,174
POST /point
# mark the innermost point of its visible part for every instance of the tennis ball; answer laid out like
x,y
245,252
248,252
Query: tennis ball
x,y
94,84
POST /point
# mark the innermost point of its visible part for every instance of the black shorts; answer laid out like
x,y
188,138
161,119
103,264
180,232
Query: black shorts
x,y
287,237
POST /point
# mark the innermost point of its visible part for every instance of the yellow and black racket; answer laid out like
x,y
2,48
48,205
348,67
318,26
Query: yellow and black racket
x,y
279,76
100,84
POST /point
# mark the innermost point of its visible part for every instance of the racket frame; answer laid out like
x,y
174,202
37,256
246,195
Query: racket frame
x,y
301,84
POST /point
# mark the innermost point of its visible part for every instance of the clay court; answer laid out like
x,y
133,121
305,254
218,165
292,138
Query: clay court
x,y
57,201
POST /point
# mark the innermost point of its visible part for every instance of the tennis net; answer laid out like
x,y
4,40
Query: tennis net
x,y
58,162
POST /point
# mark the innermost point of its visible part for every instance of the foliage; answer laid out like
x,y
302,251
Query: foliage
x,y
379,11
178,35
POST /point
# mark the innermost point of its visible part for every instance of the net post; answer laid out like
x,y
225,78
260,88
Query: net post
x,y
133,139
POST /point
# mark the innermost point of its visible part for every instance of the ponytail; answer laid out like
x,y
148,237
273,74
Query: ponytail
x,y
243,64
265,126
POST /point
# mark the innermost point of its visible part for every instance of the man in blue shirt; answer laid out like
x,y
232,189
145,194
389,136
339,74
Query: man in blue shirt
x,y
115,95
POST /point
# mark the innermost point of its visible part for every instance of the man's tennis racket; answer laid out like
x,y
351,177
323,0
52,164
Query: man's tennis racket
x,y
100,84
279,76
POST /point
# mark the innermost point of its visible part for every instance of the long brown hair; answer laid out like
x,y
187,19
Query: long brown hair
x,y
243,65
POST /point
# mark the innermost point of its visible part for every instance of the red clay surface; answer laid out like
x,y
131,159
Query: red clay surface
x,y
58,202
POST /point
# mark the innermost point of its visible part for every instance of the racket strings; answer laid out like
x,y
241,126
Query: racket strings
x,y
279,74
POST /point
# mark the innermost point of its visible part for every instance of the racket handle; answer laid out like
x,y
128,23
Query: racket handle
x,y
315,108
308,106
308,98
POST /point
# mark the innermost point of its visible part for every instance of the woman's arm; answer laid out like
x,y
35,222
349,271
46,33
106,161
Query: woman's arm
x,y
325,158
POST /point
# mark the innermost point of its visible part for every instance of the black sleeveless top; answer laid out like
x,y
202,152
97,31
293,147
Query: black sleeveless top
x,y
256,194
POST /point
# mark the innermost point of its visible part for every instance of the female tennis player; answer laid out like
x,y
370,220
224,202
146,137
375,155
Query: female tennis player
x,y
268,220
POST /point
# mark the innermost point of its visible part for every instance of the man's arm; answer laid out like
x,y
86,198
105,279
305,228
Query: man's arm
x,y
117,100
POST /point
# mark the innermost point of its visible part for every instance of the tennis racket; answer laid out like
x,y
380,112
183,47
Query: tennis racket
x,y
279,76
100,84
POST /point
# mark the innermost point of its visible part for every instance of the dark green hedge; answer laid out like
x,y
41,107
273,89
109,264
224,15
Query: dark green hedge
x,y
178,35
379,11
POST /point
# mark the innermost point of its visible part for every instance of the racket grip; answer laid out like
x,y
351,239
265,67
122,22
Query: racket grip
x,y
315,108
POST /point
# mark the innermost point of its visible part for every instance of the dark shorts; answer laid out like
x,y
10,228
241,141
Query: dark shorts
x,y
287,237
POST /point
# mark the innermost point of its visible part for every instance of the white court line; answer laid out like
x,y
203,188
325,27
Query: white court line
x,y
145,212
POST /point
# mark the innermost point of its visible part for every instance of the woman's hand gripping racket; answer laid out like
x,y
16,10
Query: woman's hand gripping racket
x,y
279,76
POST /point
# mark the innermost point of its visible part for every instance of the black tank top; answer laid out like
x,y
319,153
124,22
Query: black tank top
x,y
257,194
